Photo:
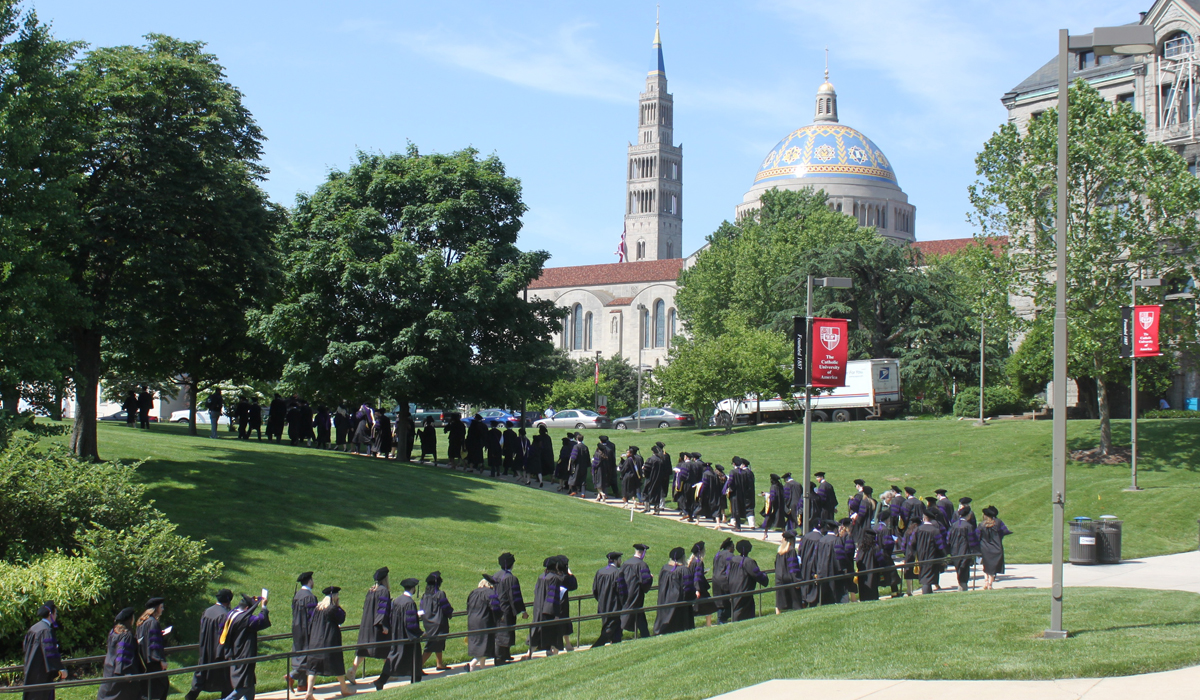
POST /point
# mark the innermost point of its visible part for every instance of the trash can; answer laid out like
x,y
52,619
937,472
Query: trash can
x,y
1108,540
1083,541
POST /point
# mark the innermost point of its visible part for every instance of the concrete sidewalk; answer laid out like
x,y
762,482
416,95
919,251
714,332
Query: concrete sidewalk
x,y
1173,572
1180,683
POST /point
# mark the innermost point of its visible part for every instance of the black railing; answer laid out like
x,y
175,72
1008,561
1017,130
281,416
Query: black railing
x,y
575,621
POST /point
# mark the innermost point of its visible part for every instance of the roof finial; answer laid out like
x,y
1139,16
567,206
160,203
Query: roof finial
x,y
827,64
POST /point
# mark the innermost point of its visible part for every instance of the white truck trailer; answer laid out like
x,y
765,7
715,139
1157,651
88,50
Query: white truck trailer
x,y
872,391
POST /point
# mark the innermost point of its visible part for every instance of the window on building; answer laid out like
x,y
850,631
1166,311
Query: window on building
x,y
670,326
1176,107
641,250
1127,98
1176,45
1105,60
674,204
616,327
674,171
660,324
1193,169
577,327
645,328
1087,59
670,250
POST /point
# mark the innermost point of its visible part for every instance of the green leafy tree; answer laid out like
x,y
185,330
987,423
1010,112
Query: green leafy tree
x,y
1132,209
167,200
402,279
732,283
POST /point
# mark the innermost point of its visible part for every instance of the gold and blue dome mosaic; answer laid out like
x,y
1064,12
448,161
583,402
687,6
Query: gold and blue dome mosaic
x,y
826,150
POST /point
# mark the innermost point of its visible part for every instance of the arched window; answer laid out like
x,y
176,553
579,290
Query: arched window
x,y
646,328
670,250
1178,44
641,250
577,328
587,331
670,327
616,327
660,324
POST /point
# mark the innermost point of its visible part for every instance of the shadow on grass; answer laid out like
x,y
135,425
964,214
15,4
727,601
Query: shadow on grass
x,y
1162,444
284,495
1148,625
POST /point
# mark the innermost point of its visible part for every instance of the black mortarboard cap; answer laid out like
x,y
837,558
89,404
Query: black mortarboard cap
x,y
965,500
124,615
910,490
677,554
224,596
155,602
789,534
306,576
844,521
695,455
434,578
743,547
931,500
409,583
728,542
819,474
990,511
249,601
736,461
506,560
868,490
641,547
720,468
786,475
491,581
614,555
330,590
940,492
860,482
381,574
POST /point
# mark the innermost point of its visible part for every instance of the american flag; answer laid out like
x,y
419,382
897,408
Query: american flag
x,y
622,252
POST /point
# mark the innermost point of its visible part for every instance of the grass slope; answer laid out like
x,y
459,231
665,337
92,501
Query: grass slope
x,y
990,635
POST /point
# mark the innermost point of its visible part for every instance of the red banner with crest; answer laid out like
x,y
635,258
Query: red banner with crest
x,y
1145,331
829,349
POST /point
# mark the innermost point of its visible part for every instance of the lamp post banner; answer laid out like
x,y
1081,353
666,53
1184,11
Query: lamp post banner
x,y
829,349
799,347
1145,330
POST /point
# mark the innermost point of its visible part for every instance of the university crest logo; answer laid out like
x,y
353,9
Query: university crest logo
x,y
1146,319
830,337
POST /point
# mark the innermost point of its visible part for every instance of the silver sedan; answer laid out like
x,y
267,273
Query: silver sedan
x,y
576,419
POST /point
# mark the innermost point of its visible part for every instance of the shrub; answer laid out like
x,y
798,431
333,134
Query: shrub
x,y
997,400
76,585
1171,413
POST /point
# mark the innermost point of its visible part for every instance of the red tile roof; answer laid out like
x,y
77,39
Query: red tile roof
x,y
620,301
953,245
610,273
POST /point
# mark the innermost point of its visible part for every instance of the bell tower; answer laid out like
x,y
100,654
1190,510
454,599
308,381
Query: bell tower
x,y
654,180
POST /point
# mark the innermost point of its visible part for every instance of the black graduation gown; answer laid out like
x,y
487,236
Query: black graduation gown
x,y
545,448
991,547
377,612
828,499
326,632
456,433
495,448
631,475
638,581
787,570
962,542
808,565
476,436
550,603
652,469
382,440
241,642
826,566
322,424
866,559
510,450
209,651
562,468
255,416
744,576
483,608
512,604
741,494
295,429
428,440
304,604
276,418
609,468
150,646
121,659
700,585
580,462
404,659
674,587
710,493
773,514
437,611
720,575
42,659
926,543
608,588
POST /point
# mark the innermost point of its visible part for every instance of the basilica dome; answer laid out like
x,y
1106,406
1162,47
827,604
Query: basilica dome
x,y
857,178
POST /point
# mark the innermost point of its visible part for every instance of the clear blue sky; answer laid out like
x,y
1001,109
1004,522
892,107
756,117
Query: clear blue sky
x,y
551,88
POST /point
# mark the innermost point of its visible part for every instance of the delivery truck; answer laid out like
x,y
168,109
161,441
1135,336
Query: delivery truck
x,y
872,391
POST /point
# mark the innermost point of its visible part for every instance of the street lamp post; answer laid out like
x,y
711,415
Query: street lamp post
x,y
835,283
641,343
1104,41
1133,402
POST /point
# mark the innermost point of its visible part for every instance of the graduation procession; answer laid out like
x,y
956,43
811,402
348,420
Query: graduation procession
x,y
893,545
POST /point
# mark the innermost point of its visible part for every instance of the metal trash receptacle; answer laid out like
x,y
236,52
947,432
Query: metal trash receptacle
x,y
1108,540
1083,541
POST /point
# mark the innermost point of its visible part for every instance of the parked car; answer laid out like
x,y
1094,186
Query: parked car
x,y
120,416
419,414
655,418
489,415
201,417
576,418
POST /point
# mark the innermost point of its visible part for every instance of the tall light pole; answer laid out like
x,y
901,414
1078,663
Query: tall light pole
x,y
1104,41
641,343
1133,402
804,348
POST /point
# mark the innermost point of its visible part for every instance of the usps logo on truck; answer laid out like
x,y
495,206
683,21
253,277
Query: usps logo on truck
x,y
884,373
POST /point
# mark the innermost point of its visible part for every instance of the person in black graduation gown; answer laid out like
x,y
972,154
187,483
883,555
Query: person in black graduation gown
x,y
964,511
631,474
562,466
827,566
255,423
130,407
927,543
652,472
793,496
700,585
962,543
674,586
773,509
295,429
242,413
744,576
152,649
787,570
914,509
276,415
304,606
638,581
720,578
322,422
145,405
121,660
494,443
43,661
483,611
209,649
435,610
405,623
373,625
991,545
510,451
809,543
868,557
429,441
456,432
608,588
550,603
476,438
544,447
326,632
578,465
381,435
512,604
239,640
826,496
740,490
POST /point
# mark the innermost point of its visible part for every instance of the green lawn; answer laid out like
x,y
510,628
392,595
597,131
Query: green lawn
x,y
271,511
981,635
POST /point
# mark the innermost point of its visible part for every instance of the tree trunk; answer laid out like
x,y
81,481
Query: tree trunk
x,y
10,398
87,389
191,390
60,390
1105,418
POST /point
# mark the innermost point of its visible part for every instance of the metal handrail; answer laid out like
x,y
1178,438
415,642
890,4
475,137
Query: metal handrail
x,y
897,566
